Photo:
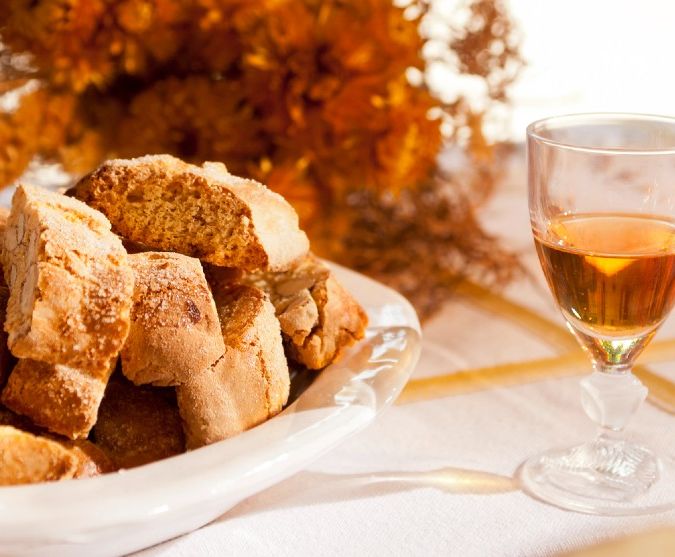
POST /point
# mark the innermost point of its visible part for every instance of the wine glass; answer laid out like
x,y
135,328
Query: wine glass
x,y
602,208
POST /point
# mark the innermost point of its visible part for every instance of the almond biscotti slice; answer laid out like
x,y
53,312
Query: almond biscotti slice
x,y
62,399
249,384
138,425
175,332
203,212
90,459
318,317
70,286
26,458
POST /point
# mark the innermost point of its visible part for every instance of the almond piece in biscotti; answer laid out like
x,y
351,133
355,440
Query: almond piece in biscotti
x,y
318,317
204,212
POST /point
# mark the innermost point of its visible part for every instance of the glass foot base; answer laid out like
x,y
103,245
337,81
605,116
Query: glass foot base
x,y
604,476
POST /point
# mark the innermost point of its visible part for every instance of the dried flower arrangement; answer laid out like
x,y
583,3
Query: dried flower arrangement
x,y
326,101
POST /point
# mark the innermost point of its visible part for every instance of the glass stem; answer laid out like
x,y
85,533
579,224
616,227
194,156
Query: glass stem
x,y
609,435
610,399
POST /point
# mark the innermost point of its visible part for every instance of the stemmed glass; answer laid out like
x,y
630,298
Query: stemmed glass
x,y
602,208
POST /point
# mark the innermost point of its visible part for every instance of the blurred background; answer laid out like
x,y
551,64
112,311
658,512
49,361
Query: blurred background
x,y
388,124
608,56
580,56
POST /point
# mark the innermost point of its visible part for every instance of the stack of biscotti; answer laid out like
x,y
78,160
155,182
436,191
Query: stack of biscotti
x,y
215,292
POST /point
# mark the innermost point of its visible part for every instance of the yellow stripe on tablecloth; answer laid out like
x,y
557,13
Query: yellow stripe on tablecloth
x,y
654,542
512,374
661,390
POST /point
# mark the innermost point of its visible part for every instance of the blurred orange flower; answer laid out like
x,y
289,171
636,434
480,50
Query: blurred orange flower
x,y
313,97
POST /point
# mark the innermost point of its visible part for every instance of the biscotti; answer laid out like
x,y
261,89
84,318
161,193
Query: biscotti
x,y
175,332
342,322
138,425
90,461
228,365
62,399
203,212
70,286
26,458
318,317
249,384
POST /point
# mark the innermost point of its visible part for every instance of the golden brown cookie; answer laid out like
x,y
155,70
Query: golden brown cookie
x,y
70,286
90,460
249,384
26,458
62,399
203,212
174,332
318,317
138,425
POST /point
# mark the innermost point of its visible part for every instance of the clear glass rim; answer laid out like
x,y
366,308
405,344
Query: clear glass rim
x,y
535,128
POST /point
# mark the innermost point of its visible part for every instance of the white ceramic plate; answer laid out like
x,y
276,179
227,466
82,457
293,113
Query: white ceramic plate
x,y
129,510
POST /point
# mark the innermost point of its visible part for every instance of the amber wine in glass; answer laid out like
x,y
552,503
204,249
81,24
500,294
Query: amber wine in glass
x,y
602,207
612,276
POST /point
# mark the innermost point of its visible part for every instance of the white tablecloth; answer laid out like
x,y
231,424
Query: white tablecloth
x,y
435,477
